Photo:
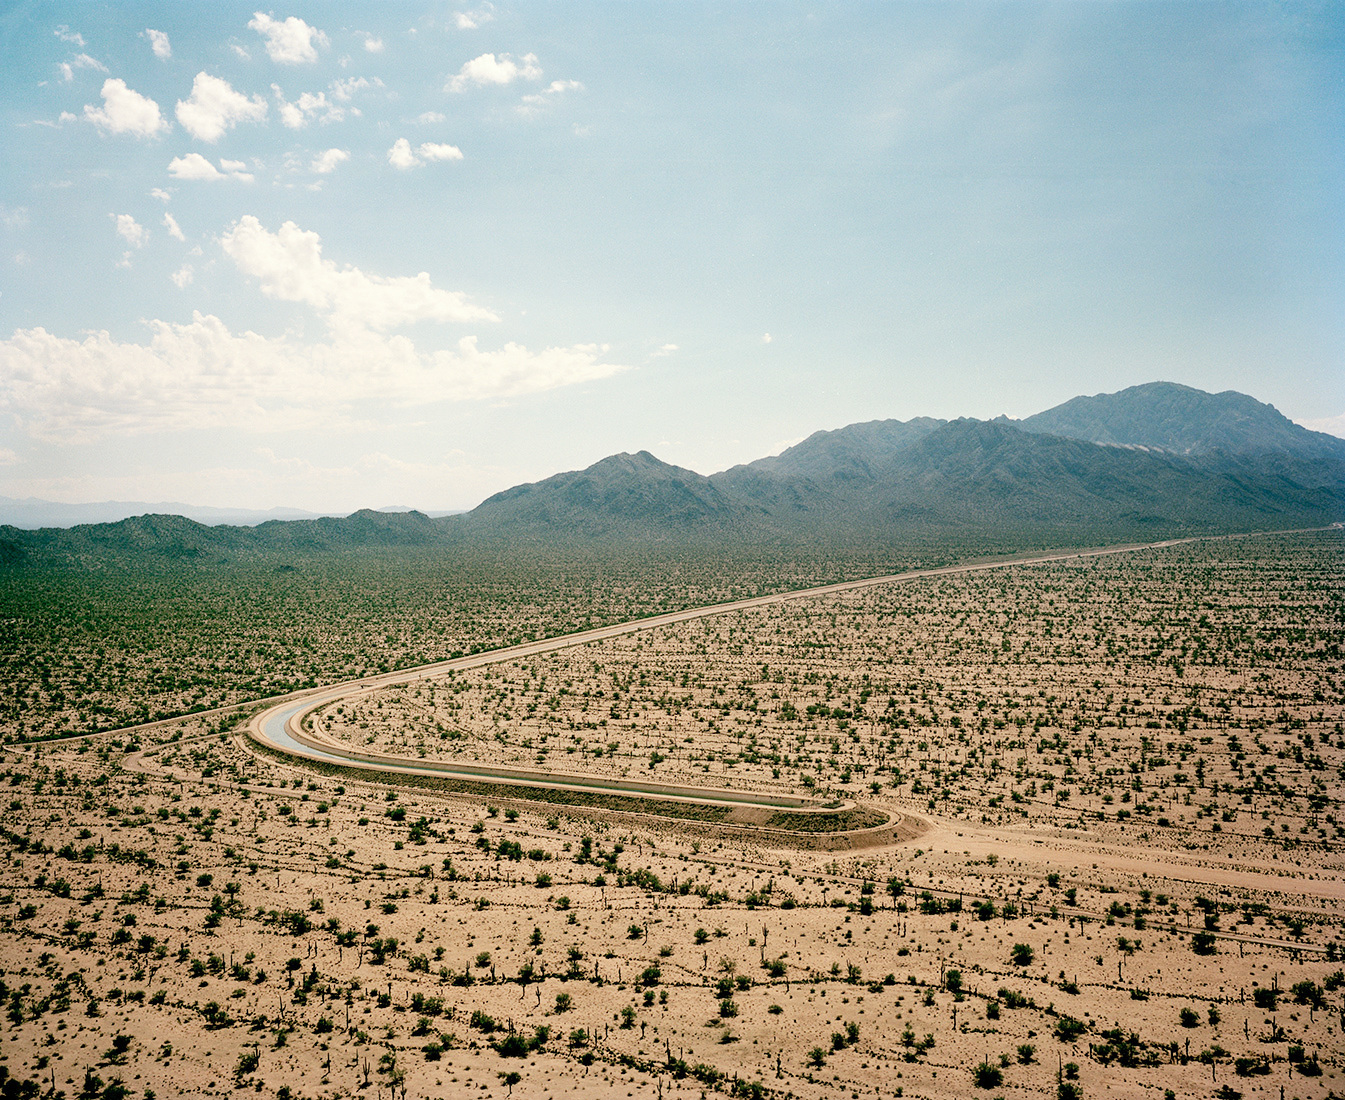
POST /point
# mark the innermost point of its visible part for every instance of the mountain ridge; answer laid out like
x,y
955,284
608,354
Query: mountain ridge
x,y
1163,460
1171,417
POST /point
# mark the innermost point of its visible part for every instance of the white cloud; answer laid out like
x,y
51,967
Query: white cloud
x,y
766,338
174,230
8,457
290,266
290,113
666,349
296,115
200,375
429,117
344,90
433,151
183,276
489,69
533,103
292,42
235,167
130,230
158,42
327,162
195,167
372,44
470,20
125,111
82,61
65,34
400,155
160,194
239,52
214,107
1331,425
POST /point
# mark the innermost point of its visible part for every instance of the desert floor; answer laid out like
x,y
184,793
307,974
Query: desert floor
x,y
1127,774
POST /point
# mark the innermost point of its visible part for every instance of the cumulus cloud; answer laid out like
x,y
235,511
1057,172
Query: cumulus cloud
x,y
65,34
533,103
292,42
428,117
491,70
214,108
158,42
125,111
160,194
327,162
470,20
174,230
195,167
290,267
183,276
81,61
297,114
430,150
372,44
401,155
201,375
130,230
344,90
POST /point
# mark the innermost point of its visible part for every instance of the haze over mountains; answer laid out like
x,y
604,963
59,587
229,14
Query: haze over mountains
x,y
1148,462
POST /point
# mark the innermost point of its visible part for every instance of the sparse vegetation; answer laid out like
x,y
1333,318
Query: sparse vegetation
x,y
1027,709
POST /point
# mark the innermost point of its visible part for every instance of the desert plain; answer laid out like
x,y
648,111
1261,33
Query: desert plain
x,y
1101,855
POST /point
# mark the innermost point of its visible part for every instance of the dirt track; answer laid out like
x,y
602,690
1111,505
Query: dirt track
x,y
281,726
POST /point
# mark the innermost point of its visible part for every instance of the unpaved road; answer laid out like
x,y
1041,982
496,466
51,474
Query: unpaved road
x,y
281,725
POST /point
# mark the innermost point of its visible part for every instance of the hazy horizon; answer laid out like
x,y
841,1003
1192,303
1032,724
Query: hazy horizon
x,y
332,254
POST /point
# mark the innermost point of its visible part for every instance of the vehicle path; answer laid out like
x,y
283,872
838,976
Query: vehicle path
x,y
281,725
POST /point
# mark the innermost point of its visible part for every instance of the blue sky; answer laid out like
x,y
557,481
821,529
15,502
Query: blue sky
x,y
341,255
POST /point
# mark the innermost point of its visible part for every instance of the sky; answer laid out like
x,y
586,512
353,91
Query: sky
x,y
341,255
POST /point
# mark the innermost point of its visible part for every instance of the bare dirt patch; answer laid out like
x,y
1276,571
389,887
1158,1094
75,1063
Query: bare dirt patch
x,y
1130,770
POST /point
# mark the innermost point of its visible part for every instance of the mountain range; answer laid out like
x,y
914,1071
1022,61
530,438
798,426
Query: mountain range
x,y
1148,462
34,513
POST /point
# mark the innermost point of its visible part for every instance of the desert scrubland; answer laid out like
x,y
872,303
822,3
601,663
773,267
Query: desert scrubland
x,y
97,648
1121,779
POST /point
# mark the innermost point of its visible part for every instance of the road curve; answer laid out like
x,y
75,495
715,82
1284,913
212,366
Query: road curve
x,y
280,726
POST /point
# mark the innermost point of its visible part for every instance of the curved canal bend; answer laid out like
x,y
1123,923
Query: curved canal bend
x,y
281,727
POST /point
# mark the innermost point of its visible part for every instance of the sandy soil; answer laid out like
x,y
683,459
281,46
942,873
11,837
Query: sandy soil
x,y
166,927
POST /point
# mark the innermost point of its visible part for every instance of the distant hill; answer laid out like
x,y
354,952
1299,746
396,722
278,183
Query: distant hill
x,y
155,539
33,513
1149,462
875,483
856,452
625,494
1167,417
